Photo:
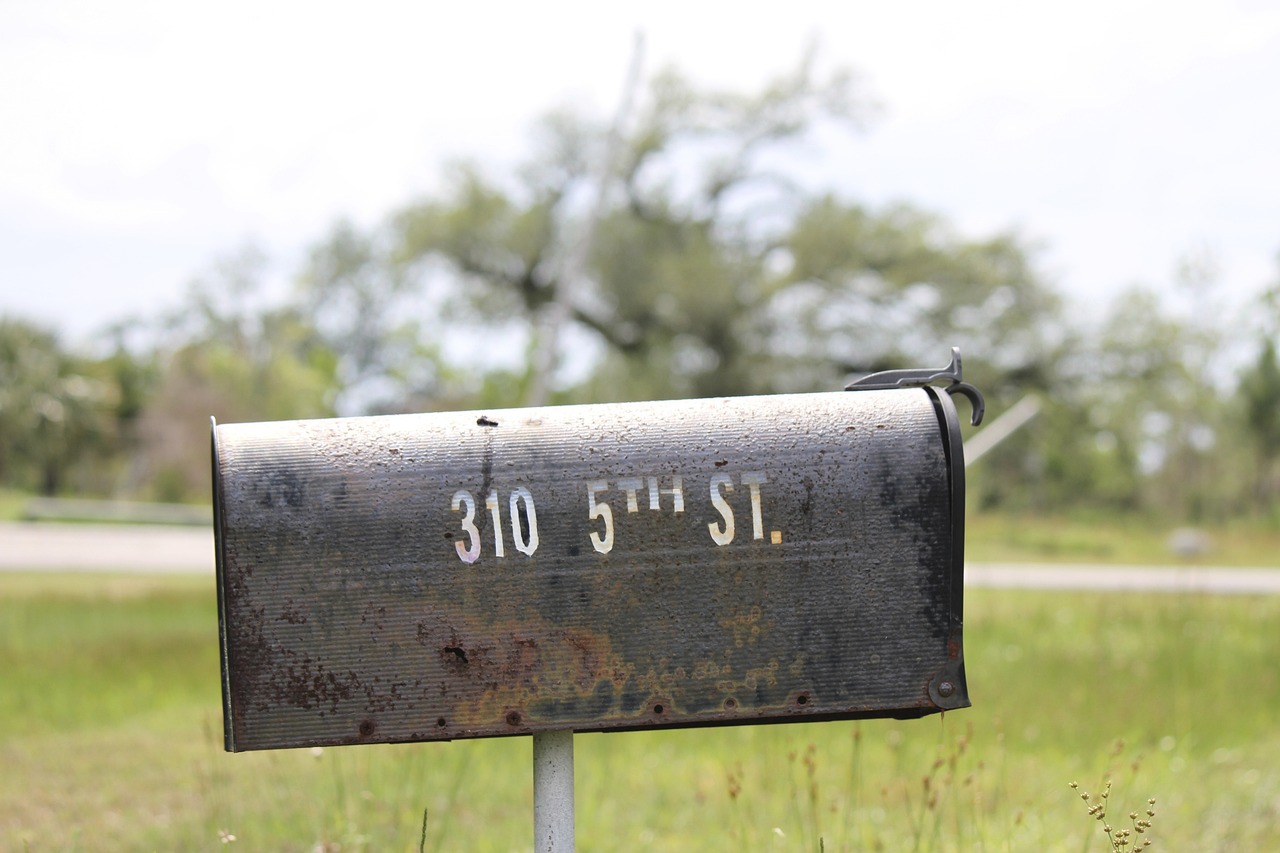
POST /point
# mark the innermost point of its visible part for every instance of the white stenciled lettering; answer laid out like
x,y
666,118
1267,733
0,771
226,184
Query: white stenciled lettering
x,y
495,512
471,553
666,492
721,534
524,523
602,542
676,491
753,479
524,533
631,485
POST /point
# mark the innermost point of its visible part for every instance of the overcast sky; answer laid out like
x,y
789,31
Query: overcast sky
x,y
139,141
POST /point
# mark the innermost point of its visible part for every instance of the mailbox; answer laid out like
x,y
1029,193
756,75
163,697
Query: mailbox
x,y
593,568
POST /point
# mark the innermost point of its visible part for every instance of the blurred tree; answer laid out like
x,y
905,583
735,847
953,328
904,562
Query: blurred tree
x,y
878,289
1259,392
54,409
133,368
713,270
360,304
1153,428
687,251
233,357
1130,381
1201,420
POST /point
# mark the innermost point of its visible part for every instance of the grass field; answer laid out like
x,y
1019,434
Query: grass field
x,y
110,739
996,537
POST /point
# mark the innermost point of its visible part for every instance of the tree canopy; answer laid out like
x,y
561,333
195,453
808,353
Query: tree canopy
x,y
683,249
712,269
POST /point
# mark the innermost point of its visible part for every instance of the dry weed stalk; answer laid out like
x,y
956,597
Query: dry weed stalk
x,y
1122,840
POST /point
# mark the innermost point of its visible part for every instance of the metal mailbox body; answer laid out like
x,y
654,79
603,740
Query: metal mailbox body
x,y
602,567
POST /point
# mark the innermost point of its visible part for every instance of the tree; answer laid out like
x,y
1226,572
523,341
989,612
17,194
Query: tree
x,y
1154,431
229,355
1259,392
713,269
879,289
1127,388
360,304
54,409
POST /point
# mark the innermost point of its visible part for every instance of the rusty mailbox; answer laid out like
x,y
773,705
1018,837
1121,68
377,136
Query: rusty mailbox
x,y
593,568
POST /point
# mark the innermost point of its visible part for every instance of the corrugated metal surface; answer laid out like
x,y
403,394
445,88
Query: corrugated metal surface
x,y
662,564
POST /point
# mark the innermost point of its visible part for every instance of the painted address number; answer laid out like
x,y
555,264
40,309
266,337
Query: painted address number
x,y
524,524
653,491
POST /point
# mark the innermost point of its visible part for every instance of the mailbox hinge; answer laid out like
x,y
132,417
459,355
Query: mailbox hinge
x,y
920,377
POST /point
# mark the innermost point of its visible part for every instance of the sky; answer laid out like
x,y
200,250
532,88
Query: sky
x,y
140,141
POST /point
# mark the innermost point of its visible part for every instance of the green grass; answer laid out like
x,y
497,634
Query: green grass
x,y
110,738
1111,539
11,504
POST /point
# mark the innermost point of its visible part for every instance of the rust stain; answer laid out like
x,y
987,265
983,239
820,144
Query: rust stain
x,y
747,628
532,670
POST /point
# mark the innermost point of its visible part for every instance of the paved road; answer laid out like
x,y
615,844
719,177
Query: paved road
x,y
1059,576
88,547
106,547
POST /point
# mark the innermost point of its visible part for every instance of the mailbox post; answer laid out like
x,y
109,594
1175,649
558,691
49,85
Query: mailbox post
x,y
592,568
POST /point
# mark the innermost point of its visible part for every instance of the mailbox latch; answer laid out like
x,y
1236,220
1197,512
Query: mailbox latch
x,y
919,377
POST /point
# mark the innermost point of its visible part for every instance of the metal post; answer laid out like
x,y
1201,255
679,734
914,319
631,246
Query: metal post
x,y
553,792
